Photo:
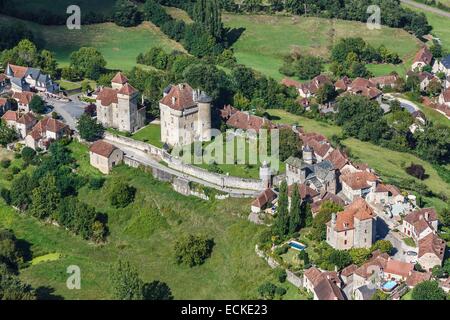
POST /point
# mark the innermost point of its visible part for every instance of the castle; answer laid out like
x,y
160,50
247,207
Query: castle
x,y
185,115
117,106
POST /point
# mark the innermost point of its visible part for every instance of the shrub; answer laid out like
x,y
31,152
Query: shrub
x,y
267,290
96,183
281,250
280,291
121,195
416,170
6,195
193,250
281,274
9,176
15,170
5,163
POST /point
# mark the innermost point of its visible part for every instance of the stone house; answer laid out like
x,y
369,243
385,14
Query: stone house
x,y
424,78
319,176
444,97
323,285
44,132
423,58
23,99
26,79
306,90
355,227
104,156
185,115
385,81
117,107
263,201
358,184
442,65
21,122
420,223
366,88
323,197
431,251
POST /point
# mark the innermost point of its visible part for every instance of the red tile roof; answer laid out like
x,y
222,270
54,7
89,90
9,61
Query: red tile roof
x,y
415,277
446,95
384,80
180,97
127,89
421,218
19,71
10,116
27,119
304,191
377,261
338,159
398,267
102,148
264,198
432,244
359,209
23,97
358,180
3,101
107,96
423,55
119,78
324,284
291,83
246,121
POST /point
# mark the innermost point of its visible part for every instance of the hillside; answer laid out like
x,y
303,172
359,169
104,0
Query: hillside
x,y
267,38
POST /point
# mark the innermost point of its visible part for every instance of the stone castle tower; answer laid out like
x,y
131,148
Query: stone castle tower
x,y
204,115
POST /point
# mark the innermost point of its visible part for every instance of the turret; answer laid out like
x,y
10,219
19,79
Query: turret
x,y
204,115
265,175
308,155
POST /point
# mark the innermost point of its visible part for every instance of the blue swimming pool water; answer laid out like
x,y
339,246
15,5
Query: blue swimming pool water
x,y
296,245
388,286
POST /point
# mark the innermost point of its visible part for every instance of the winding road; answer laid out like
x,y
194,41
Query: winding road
x,y
427,8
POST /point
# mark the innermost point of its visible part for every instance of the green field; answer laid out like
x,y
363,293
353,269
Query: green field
x,y
144,233
267,38
386,162
120,46
440,24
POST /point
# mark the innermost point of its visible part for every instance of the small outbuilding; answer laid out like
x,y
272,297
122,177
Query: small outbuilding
x,y
104,156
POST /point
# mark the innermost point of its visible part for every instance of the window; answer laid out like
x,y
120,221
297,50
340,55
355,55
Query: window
x,y
345,242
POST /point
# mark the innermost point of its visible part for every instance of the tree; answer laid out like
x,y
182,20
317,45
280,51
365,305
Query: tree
x,y
384,246
267,290
47,62
323,216
126,14
207,13
380,295
10,255
157,290
28,154
88,61
340,258
11,288
45,198
434,88
428,290
433,143
290,144
281,224
37,104
21,188
359,255
436,49
7,134
85,86
280,274
307,67
125,282
89,129
326,93
416,170
193,250
121,194
294,215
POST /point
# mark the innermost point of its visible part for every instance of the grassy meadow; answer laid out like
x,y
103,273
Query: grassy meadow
x,y
144,233
267,38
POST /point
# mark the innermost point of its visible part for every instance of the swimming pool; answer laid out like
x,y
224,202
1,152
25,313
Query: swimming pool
x,y
297,245
389,285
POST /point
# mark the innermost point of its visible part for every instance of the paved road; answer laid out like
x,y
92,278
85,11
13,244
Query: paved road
x,y
69,111
427,8
146,159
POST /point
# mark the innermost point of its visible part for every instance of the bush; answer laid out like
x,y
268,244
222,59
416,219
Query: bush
x,y
96,183
5,163
193,250
15,170
281,250
267,290
121,195
416,170
6,195
281,274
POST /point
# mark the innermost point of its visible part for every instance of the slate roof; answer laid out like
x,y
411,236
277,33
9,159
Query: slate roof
x,y
446,61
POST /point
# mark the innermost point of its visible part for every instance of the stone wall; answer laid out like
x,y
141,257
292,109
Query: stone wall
x,y
139,145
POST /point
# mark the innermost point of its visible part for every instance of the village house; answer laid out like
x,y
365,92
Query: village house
x,y
305,192
444,97
323,197
21,122
26,79
358,184
416,277
3,81
355,227
385,81
423,58
5,105
431,251
104,156
323,285
366,88
420,223
342,84
23,99
316,146
442,65
185,115
263,201
425,78
44,132
243,121
117,107
340,161
318,176
309,89
385,194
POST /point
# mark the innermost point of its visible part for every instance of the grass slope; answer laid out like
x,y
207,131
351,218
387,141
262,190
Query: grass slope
x,y
267,38
144,233
120,46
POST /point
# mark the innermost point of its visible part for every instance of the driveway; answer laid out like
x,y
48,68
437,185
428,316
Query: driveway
x,y
386,233
405,104
70,111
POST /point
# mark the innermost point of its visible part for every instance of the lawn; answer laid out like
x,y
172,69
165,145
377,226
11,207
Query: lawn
x,y
68,85
388,163
144,233
150,134
267,38
120,46
441,26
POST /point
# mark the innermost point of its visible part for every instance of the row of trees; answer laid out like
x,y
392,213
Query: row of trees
x,y
49,194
